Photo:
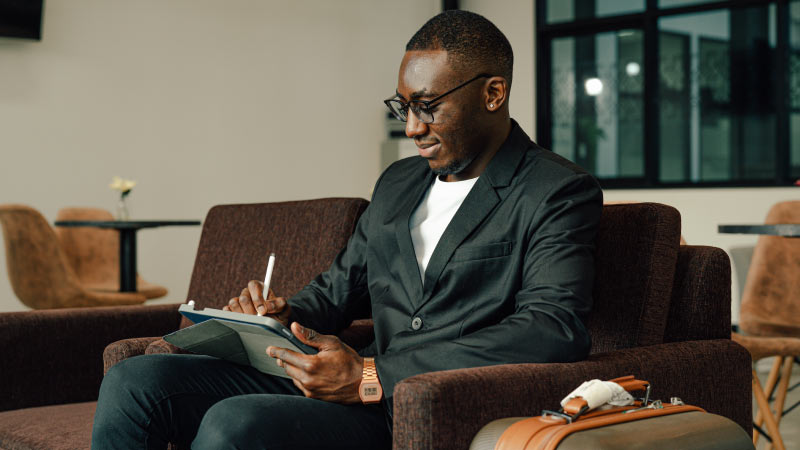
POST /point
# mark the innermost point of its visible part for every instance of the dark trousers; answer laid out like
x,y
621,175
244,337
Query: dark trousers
x,y
147,401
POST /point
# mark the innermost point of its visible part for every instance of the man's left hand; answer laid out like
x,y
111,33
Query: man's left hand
x,y
333,374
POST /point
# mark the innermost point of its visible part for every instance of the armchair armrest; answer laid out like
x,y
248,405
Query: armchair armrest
x,y
446,409
55,356
124,349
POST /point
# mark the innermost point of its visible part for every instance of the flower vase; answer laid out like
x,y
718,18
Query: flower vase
x,y
122,209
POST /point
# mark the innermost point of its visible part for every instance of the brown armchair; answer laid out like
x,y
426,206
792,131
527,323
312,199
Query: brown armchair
x,y
661,312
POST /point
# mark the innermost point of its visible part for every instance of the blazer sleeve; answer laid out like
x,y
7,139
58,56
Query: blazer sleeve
x,y
340,294
555,296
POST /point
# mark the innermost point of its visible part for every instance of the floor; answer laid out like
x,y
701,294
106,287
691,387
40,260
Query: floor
x,y
790,425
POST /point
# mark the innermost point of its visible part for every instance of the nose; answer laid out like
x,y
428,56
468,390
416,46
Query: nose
x,y
414,126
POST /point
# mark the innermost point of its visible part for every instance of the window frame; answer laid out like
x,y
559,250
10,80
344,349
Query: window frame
x,y
647,22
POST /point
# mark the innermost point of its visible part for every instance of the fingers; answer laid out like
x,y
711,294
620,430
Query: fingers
x,y
302,388
246,304
289,358
314,339
275,305
307,335
299,377
254,292
250,301
233,305
255,287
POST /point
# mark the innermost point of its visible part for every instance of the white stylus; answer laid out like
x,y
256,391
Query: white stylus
x,y
268,276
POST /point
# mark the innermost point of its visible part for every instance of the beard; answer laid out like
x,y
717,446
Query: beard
x,y
455,166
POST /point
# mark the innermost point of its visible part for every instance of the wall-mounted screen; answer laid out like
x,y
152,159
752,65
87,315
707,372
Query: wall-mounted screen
x,y
21,18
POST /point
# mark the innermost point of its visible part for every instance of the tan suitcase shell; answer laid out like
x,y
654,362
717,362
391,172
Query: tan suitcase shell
x,y
673,427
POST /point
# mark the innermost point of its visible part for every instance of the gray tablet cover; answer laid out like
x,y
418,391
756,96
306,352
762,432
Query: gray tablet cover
x,y
239,343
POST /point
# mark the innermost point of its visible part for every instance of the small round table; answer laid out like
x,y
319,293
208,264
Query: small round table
x,y
127,242
791,230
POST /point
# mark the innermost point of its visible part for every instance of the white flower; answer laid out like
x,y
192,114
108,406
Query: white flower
x,y
122,185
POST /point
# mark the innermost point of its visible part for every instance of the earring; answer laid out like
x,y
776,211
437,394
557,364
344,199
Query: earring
x,y
491,105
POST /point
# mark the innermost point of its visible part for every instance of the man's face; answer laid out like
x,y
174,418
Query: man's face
x,y
451,142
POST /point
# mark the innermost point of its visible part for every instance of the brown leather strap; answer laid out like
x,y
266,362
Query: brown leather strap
x,y
574,405
631,384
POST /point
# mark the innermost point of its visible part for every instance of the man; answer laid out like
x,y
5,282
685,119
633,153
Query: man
x,y
478,252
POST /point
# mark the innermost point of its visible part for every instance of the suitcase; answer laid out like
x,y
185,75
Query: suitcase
x,y
646,424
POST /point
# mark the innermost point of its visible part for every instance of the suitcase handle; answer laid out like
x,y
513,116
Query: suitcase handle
x,y
631,384
577,406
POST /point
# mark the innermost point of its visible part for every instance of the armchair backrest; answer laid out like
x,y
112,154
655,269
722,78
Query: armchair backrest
x,y
636,254
236,241
700,308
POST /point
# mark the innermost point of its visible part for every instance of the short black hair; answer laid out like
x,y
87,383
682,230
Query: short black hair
x,y
471,41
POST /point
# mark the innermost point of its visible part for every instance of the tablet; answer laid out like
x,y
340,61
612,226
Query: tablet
x,y
236,337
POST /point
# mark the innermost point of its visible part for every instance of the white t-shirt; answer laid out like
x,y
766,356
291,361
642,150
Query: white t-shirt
x,y
433,214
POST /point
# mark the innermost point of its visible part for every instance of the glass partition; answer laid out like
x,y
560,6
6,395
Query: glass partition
x,y
597,104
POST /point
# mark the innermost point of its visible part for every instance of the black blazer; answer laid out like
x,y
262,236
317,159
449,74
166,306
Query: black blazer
x,y
510,280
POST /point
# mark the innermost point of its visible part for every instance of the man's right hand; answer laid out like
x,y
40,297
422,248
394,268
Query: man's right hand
x,y
251,301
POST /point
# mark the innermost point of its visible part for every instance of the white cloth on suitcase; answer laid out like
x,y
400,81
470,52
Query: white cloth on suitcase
x,y
598,393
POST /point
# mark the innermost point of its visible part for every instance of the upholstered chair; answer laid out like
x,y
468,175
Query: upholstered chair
x,y
93,253
39,270
770,310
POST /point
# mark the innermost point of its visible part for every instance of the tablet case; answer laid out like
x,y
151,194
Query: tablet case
x,y
235,337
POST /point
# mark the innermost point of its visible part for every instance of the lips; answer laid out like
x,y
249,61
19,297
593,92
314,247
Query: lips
x,y
428,150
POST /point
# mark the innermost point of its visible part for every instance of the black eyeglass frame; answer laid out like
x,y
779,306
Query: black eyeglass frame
x,y
424,105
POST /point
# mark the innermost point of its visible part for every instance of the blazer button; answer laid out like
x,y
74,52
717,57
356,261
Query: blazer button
x,y
416,324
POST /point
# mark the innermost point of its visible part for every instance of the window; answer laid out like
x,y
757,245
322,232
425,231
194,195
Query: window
x,y
672,93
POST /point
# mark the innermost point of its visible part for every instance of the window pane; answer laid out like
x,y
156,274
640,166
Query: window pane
x,y
717,111
794,86
568,10
597,104
673,3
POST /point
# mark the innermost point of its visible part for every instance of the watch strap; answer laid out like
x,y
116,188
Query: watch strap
x,y
369,373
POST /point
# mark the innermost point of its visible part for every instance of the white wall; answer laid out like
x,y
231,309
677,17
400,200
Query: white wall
x,y
515,18
202,102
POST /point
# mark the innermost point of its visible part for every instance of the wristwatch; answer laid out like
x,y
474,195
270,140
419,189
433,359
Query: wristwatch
x,y
370,389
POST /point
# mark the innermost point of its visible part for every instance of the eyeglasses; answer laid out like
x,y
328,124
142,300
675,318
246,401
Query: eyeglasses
x,y
423,109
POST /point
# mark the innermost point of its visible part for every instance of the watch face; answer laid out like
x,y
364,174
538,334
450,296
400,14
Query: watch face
x,y
370,392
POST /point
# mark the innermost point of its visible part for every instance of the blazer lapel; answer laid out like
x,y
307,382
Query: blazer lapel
x,y
481,200
408,258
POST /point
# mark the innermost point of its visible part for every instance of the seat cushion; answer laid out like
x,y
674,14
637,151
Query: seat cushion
x,y
57,427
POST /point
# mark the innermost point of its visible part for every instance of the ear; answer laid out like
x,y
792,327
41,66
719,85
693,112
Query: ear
x,y
495,93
